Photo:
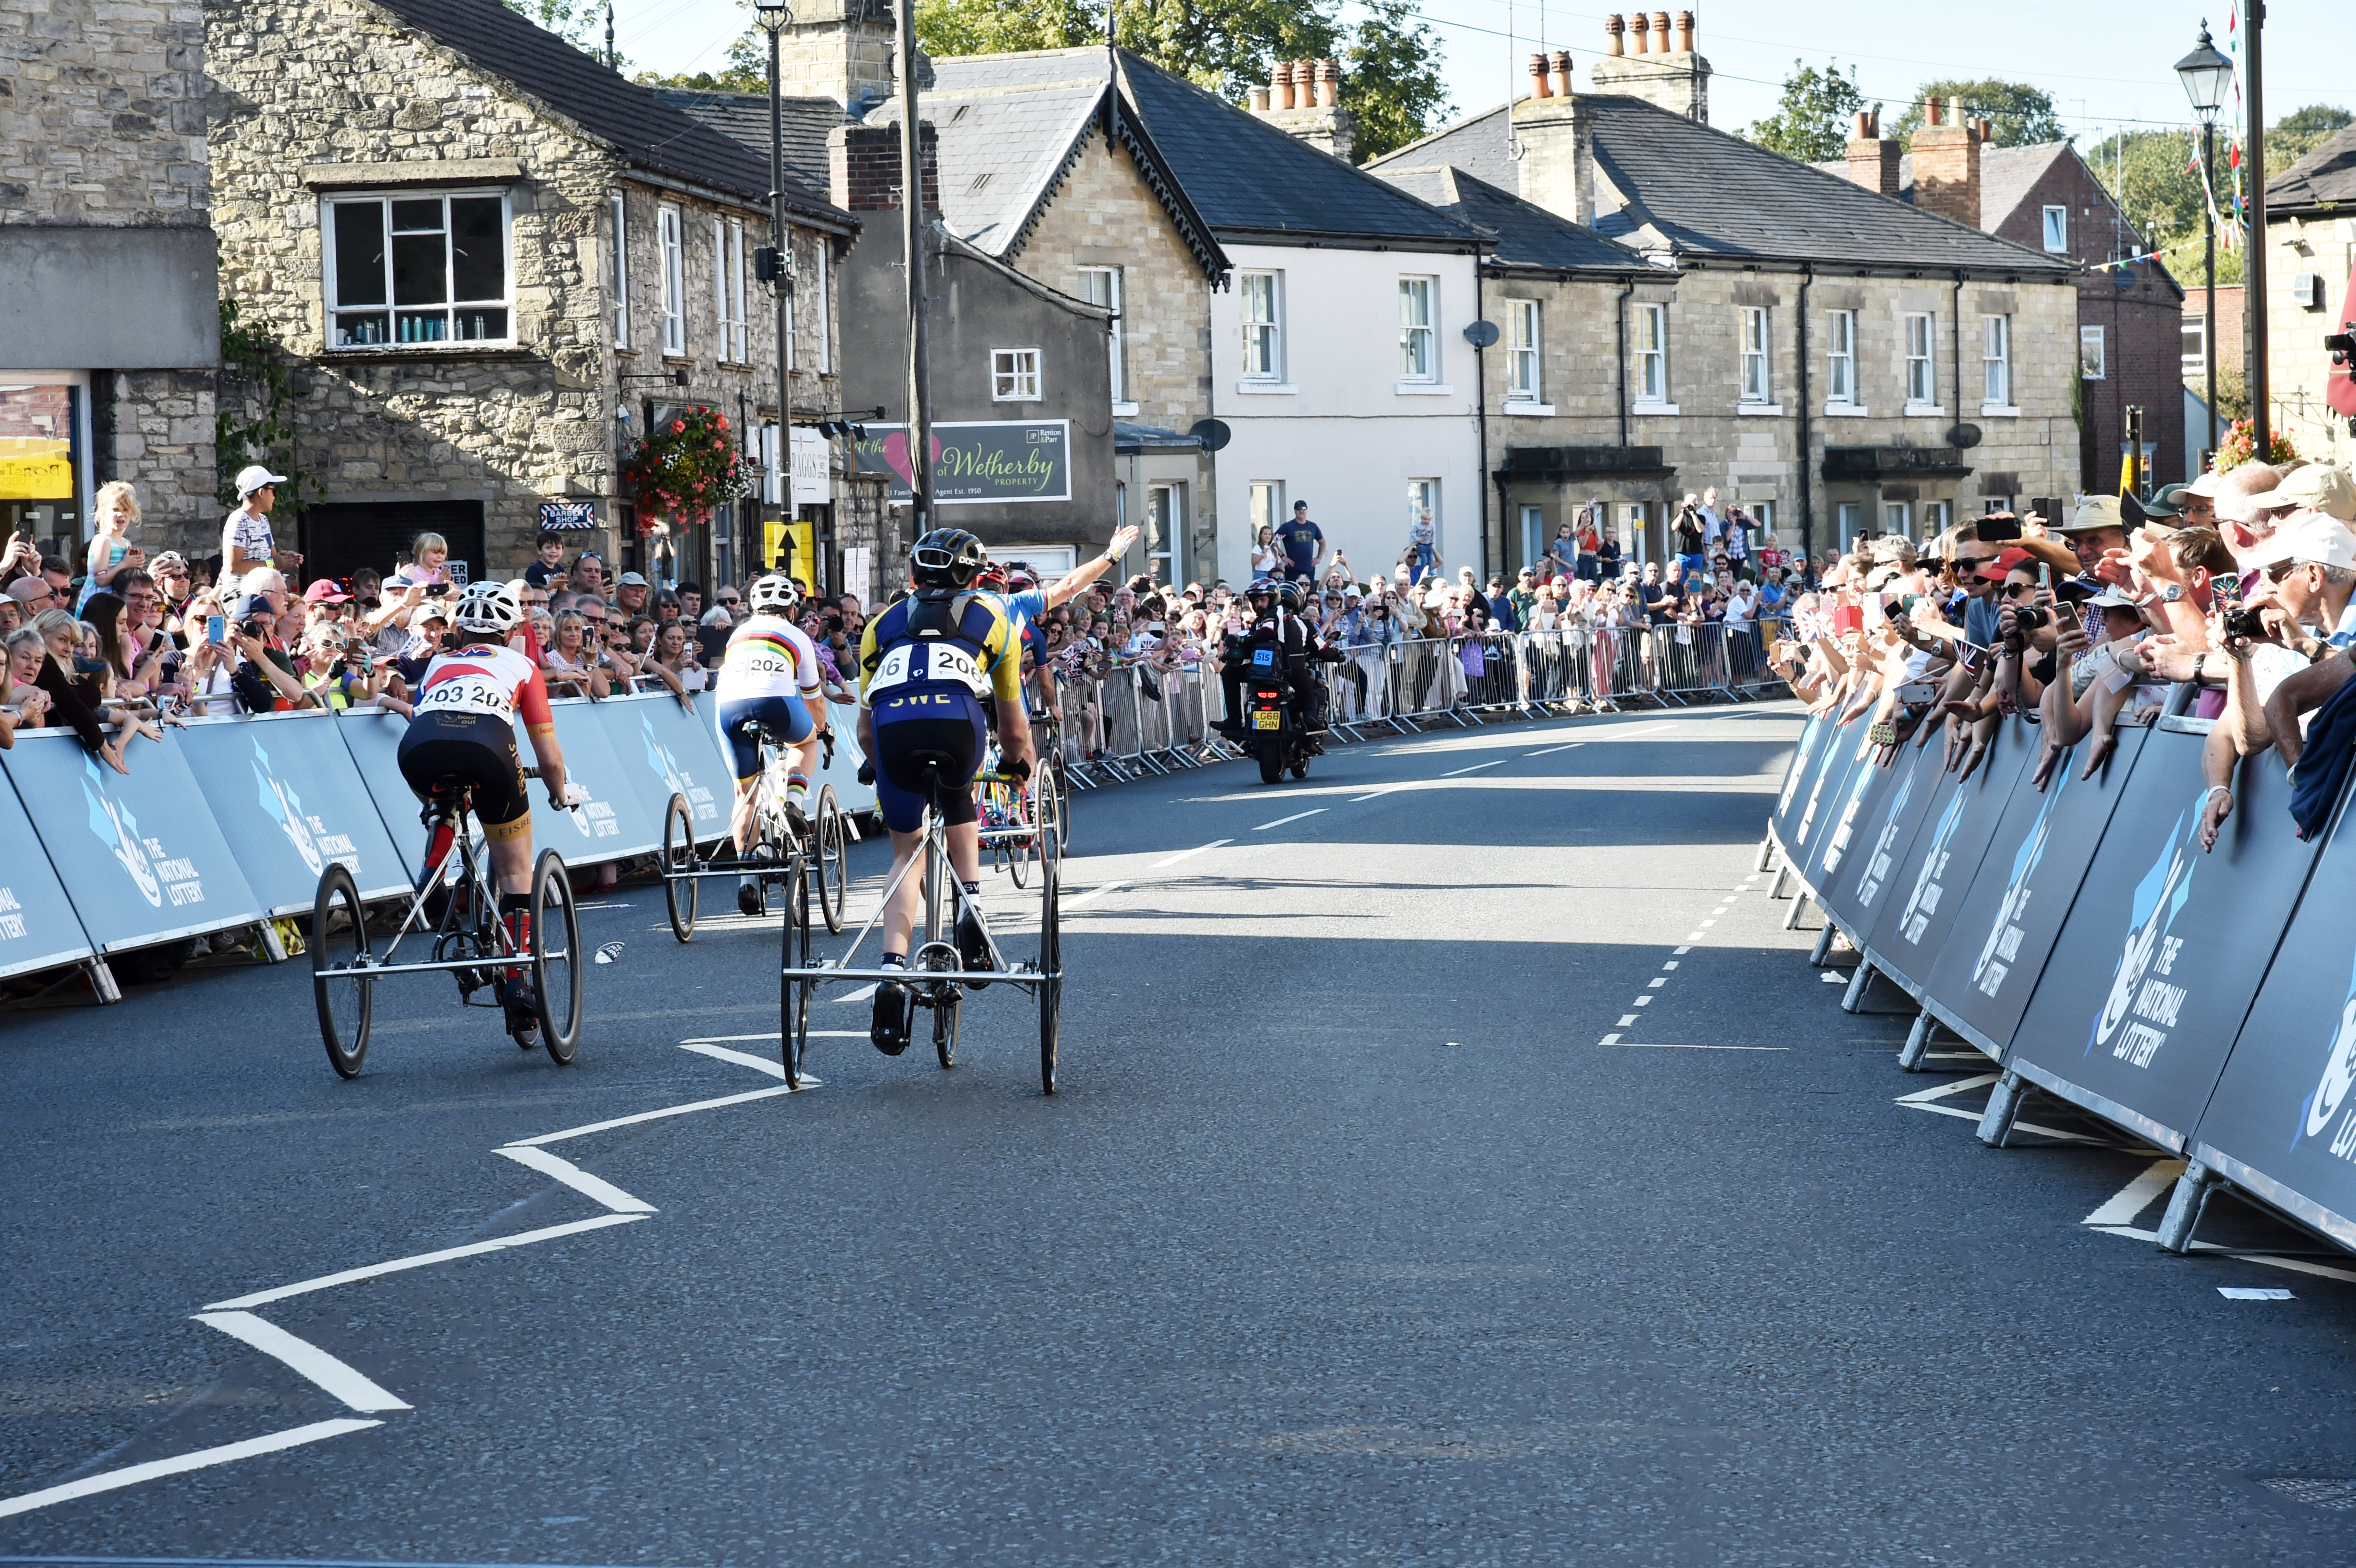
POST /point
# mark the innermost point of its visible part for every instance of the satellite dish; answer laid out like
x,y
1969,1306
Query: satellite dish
x,y
1964,435
1212,433
1481,334
2124,276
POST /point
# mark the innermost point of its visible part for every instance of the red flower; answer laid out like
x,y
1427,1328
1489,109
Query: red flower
x,y
677,427
723,422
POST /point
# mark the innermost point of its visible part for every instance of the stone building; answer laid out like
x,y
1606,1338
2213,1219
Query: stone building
x,y
2311,292
1840,362
2044,197
109,324
494,265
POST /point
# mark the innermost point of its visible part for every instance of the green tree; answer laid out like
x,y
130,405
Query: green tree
x,y
2024,115
1812,120
1390,79
2300,132
579,23
747,70
962,27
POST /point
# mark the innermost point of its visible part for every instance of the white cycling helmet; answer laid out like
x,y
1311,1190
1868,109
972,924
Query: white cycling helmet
x,y
489,608
773,591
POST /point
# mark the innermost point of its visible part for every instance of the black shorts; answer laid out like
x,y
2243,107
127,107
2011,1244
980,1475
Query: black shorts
x,y
444,752
899,786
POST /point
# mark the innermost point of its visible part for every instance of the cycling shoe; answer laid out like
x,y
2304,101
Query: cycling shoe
x,y
894,1007
523,1018
748,899
974,946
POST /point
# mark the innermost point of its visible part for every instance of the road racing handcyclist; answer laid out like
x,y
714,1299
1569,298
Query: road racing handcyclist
x,y
462,735
769,680
931,668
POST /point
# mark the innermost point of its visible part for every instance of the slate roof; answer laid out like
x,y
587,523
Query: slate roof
x,y
2006,176
2325,177
652,134
744,118
1010,123
1525,235
1697,192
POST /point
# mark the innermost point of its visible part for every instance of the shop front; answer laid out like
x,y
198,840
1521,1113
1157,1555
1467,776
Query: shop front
x,y
45,457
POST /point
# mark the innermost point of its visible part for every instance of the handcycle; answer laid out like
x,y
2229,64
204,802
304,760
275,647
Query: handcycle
x,y
469,940
1019,816
823,838
935,975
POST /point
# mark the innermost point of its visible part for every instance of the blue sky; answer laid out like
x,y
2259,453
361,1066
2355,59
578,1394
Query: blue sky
x,y
2105,62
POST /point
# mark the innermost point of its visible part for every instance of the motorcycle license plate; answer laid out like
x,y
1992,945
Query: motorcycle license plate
x,y
1269,720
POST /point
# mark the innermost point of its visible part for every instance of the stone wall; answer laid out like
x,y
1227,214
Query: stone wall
x,y
163,443
2297,362
103,113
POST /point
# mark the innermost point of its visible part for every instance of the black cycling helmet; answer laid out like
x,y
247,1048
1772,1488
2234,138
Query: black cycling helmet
x,y
1291,594
947,558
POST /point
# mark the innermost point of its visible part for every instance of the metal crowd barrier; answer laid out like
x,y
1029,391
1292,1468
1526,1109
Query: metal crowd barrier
x,y
2080,937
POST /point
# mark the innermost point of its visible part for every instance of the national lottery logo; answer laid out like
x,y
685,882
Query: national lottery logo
x,y
2331,1091
119,831
1924,901
2136,990
1877,869
2003,943
285,807
1841,834
1808,739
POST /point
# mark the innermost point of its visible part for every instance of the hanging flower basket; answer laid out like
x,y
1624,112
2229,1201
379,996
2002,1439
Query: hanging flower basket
x,y
2234,449
684,469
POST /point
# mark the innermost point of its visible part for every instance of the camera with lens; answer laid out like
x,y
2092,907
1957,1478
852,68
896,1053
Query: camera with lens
x,y
2030,617
2246,623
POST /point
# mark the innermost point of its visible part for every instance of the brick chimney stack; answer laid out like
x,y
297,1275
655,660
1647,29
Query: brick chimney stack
x,y
1303,98
1947,163
863,167
840,50
1873,157
1669,73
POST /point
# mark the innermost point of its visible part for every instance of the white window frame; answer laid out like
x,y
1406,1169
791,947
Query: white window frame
x,y
671,245
448,309
1418,296
1755,328
735,331
1102,286
1936,516
1996,365
2092,338
1898,517
1921,345
1840,363
2195,363
1265,505
825,312
1014,375
1423,494
1849,520
2055,231
617,280
1648,351
1524,352
1262,297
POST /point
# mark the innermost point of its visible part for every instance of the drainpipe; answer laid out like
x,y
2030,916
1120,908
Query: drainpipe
x,y
1626,289
1808,461
1959,357
1481,424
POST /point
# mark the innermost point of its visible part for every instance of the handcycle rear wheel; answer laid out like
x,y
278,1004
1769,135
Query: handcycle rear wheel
x,y
346,1001
680,888
833,860
1051,964
555,957
794,997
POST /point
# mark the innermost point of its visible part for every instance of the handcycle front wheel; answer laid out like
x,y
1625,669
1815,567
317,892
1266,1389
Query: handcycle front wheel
x,y
338,945
794,997
555,958
682,891
1051,963
833,869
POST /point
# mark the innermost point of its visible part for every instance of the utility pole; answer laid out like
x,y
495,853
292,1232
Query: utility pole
x,y
2254,297
778,271
911,229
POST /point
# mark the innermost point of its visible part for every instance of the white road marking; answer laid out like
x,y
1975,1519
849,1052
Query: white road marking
x,y
1648,1045
346,1383
1708,923
771,1034
1627,1018
1694,936
587,1128
859,995
1093,894
2137,1195
1475,767
2296,1266
768,1064
595,1188
1941,1090
1185,853
155,1469
1282,820
1608,1039
1672,964
1654,981
423,1260
1551,751
2253,1293
1356,798
1683,951
1642,1002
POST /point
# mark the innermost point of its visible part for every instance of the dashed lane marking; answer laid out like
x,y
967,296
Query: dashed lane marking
x,y
1282,820
180,1464
1475,768
344,1382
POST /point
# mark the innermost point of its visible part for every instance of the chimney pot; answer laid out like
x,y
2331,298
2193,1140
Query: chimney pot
x,y
1259,96
1660,32
1539,86
1642,26
1864,126
1931,112
1329,83
1956,111
1613,26
1563,73
1876,128
1283,84
1987,129
1685,32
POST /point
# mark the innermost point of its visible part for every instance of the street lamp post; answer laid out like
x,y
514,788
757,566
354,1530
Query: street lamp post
x,y
2205,74
775,16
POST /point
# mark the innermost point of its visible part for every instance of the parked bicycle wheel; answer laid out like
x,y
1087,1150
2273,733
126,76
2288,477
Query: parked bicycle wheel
x,y
555,957
338,945
680,890
794,997
1051,966
833,859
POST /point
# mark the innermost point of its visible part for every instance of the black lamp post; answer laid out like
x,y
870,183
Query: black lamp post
x,y
2205,74
777,269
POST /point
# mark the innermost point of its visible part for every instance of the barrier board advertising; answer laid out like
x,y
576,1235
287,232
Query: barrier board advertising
x,y
1854,887
284,792
1835,753
37,926
1837,808
1928,887
667,750
2282,1122
614,822
142,859
372,736
2160,956
1981,979
1785,819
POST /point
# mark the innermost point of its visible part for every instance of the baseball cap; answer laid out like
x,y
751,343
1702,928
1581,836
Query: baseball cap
x,y
1999,566
2094,512
2320,487
2111,598
1301,505
327,591
168,557
2312,536
254,604
631,580
2205,487
253,477
2167,504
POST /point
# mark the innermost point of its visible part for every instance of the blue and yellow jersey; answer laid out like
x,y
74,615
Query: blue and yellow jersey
x,y
965,642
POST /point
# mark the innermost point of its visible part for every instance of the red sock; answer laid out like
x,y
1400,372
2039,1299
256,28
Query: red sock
x,y
437,844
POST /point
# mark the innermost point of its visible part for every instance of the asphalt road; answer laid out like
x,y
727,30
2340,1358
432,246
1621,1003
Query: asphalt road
x,y
1345,1241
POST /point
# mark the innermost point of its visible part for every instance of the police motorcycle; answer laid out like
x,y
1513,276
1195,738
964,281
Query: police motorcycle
x,y
1273,724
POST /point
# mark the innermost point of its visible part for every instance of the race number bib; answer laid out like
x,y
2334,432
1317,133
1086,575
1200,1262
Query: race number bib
x,y
929,663
468,693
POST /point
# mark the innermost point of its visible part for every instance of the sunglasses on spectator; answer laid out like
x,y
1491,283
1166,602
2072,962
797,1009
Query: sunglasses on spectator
x,y
2283,568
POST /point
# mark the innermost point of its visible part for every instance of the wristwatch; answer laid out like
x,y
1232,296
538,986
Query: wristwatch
x,y
2169,593
2199,661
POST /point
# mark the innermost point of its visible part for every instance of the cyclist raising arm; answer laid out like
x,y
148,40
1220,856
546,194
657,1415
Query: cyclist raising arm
x,y
462,737
769,680
926,666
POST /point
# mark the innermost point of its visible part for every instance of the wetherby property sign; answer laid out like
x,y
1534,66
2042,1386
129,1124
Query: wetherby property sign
x,y
984,461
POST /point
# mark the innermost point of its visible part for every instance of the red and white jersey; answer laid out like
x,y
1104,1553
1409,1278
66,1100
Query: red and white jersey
x,y
485,678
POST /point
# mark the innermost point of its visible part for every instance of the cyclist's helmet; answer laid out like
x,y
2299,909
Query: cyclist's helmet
x,y
1291,594
773,591
947,558
992,577
489,609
